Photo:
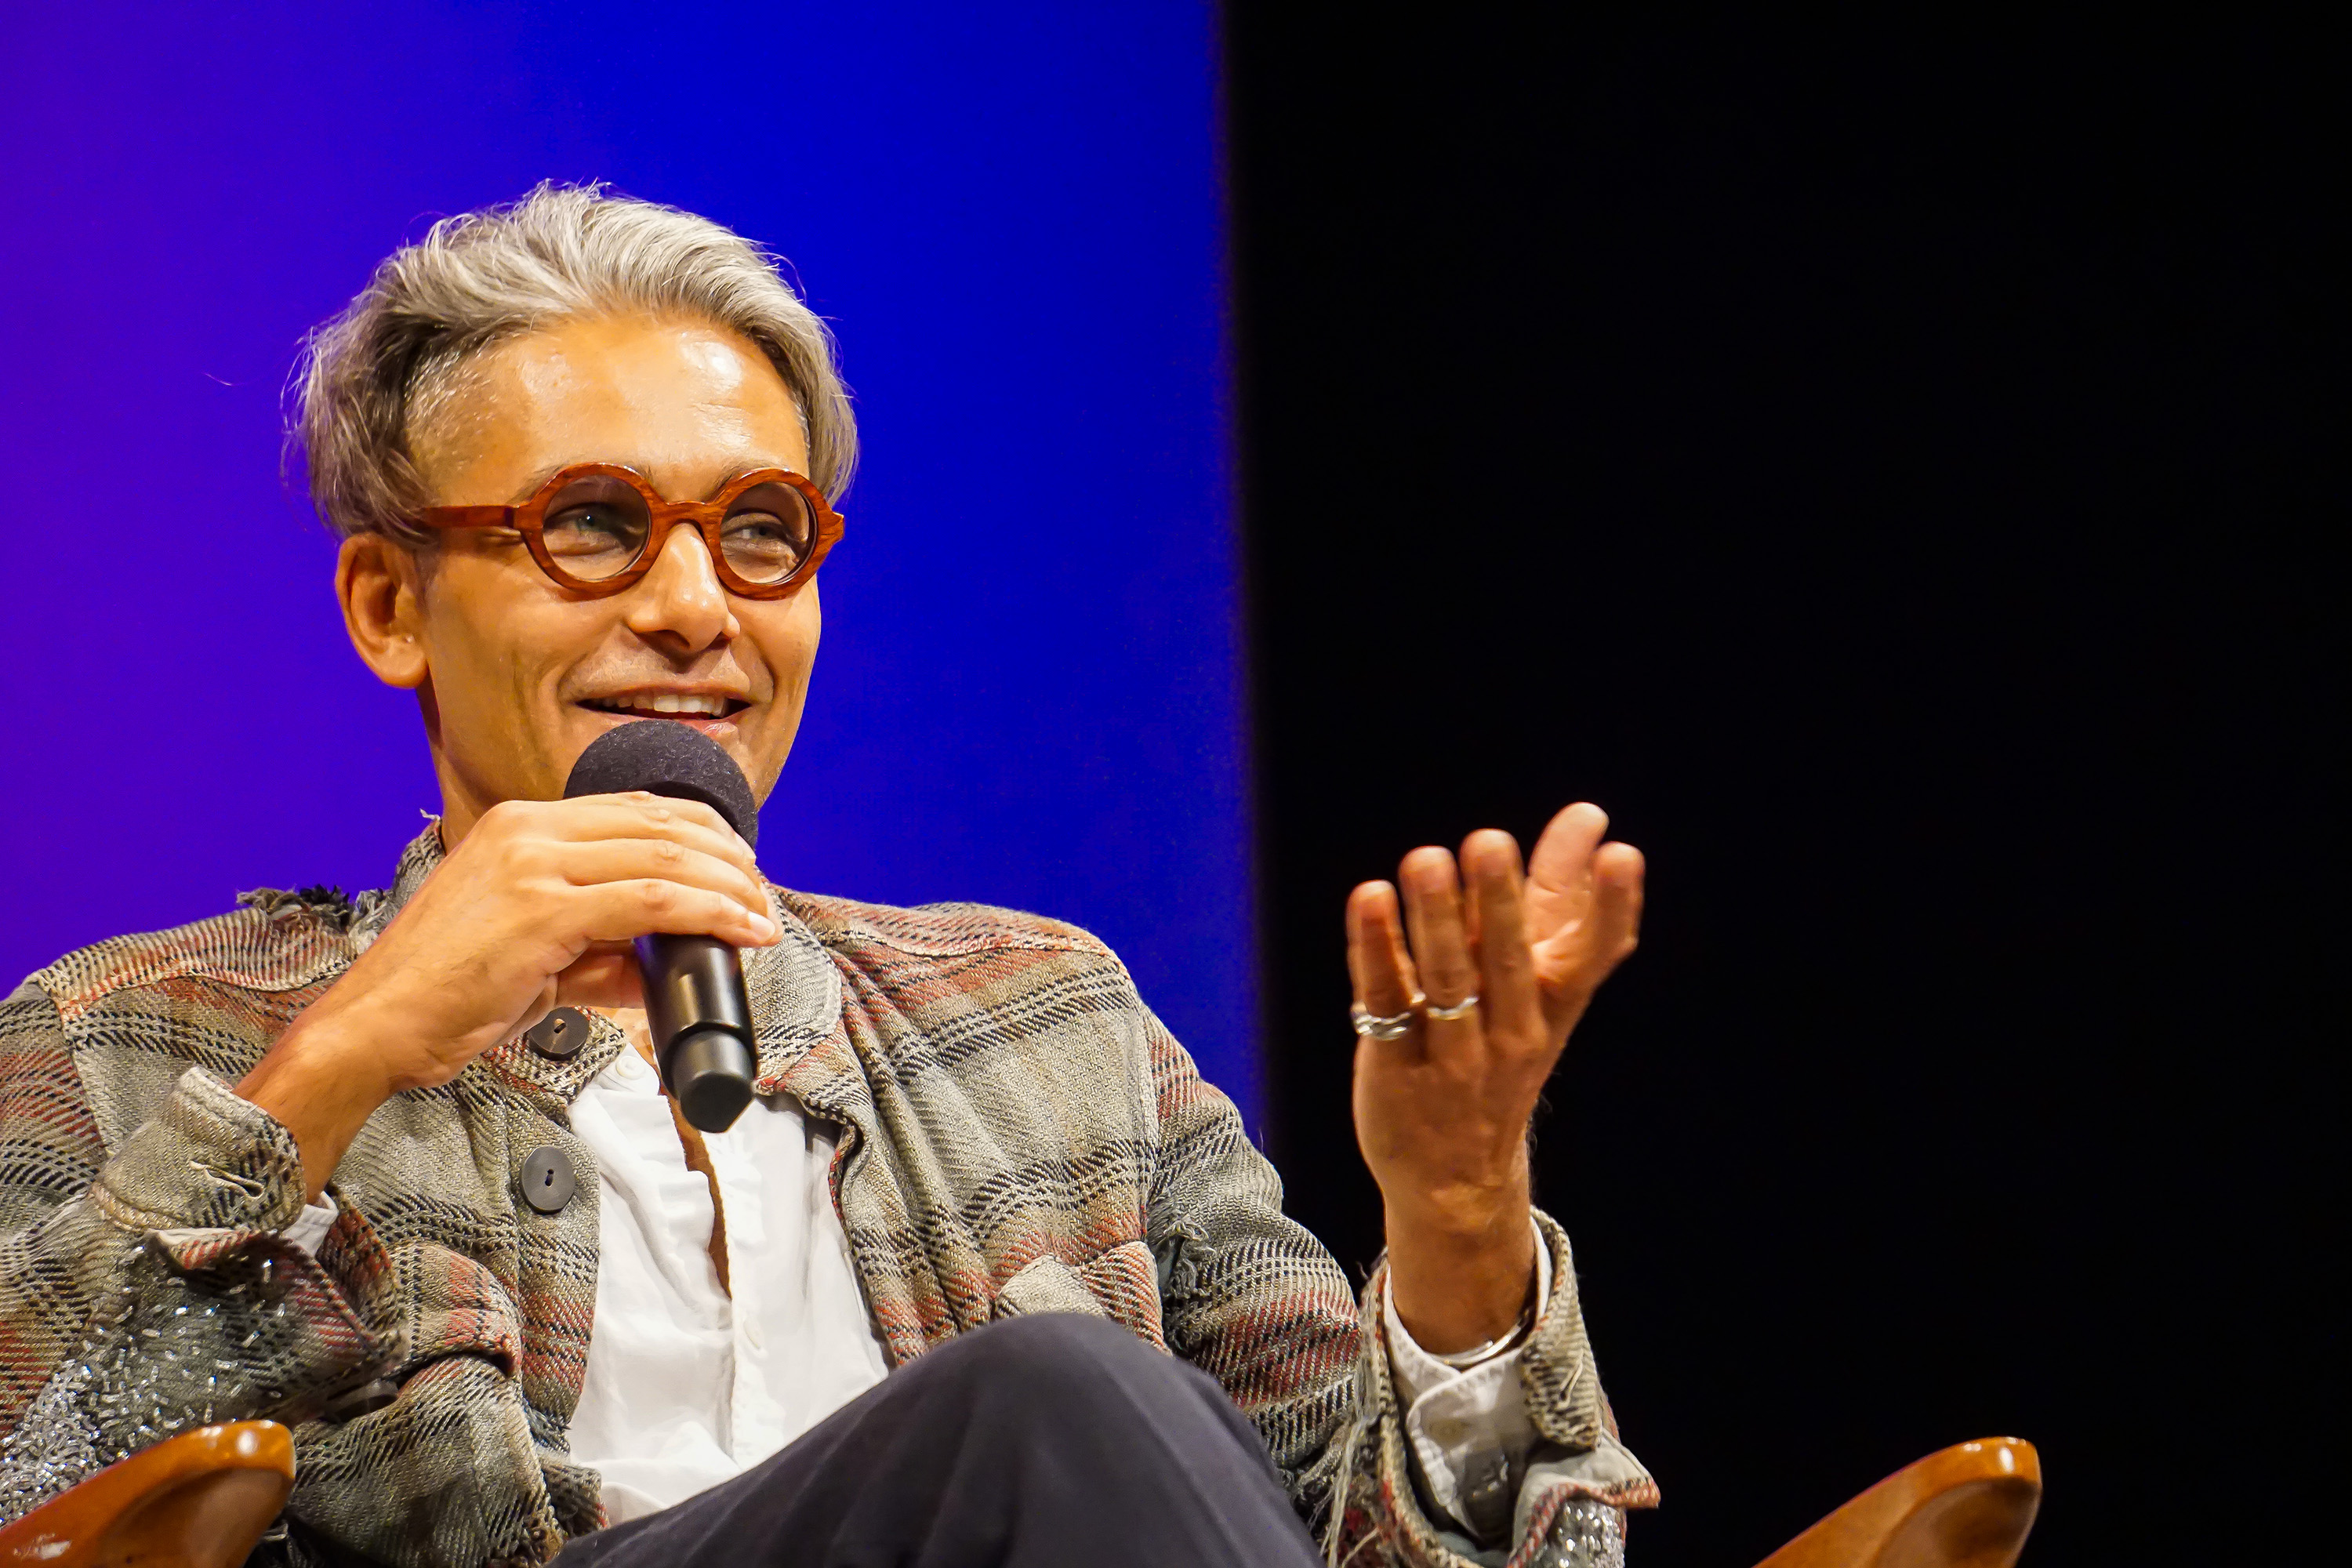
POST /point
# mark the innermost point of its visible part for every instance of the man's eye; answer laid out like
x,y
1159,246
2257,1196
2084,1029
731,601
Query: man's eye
x,y
758,529
765,535
589,529
763,547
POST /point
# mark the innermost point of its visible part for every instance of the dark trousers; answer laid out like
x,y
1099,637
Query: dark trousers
x,y
1034,1443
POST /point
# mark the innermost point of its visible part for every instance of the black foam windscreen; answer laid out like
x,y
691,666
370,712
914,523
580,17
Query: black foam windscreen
x,y
664,757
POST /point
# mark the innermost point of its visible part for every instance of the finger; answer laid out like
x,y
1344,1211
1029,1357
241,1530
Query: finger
x,y
1619,873
631,860
1378,961
625,911
638,815
1559,872
688,822
1509,997
1573,965
1441,945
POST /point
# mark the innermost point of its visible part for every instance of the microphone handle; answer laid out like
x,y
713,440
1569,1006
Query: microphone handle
x,y
700,1019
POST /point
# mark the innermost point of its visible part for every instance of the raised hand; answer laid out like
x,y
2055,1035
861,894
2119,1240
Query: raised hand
x,y
1475,982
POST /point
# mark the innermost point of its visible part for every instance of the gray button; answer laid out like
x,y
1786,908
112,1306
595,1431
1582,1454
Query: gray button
x,y
559,1034
548,1183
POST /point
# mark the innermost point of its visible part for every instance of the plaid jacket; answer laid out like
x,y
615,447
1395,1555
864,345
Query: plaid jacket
x,y
1020,1134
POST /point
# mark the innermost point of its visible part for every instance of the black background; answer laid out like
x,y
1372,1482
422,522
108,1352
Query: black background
x,y
1887,467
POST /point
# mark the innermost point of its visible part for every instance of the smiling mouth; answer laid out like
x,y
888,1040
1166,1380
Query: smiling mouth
x,y
687,706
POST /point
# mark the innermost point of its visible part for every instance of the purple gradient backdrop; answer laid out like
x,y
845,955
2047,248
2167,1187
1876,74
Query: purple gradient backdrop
x,y
1030,691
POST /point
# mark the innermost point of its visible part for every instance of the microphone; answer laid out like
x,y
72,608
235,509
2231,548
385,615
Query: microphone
x,y
695,1006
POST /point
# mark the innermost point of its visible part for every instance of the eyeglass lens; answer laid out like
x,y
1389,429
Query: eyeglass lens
x,y
595,528
769,531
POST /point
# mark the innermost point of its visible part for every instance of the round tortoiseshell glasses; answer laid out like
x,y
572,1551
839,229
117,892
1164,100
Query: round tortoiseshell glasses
x,y
596,528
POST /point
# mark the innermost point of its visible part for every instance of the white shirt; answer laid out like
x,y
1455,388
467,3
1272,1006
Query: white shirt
x,y
685,1387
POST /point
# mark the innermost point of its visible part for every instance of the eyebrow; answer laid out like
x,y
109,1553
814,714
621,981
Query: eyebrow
x,y
532,484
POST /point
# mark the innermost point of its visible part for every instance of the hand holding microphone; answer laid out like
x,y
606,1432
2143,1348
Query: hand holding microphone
x,y
540,903
696,1008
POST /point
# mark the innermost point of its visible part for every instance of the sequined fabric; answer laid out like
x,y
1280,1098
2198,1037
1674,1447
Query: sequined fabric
x,y
166,1353
1584,1534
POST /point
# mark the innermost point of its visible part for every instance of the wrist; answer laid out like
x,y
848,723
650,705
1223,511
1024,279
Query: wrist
x,y
340,1039
1456,1284
320,1080
1464,1215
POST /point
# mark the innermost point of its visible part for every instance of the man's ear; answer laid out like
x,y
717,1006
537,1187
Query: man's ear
x,y
379,585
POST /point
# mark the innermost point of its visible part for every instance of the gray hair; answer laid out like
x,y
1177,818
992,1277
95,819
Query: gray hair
x,y
371,377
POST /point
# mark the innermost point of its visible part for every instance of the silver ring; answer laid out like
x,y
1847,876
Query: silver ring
x,y
1373,1026
1459,1011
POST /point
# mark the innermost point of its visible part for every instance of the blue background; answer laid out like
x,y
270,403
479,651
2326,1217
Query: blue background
x,y
1030,691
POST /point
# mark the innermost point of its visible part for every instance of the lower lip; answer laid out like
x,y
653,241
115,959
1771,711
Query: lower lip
x,y
709,724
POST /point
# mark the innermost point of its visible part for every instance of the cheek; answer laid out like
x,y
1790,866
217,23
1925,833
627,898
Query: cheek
x,y
785,635
495,638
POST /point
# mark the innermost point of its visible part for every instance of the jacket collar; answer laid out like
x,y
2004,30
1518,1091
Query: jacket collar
x,y
795,988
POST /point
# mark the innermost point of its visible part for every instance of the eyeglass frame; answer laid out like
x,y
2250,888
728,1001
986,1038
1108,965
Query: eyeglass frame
x,y
529,519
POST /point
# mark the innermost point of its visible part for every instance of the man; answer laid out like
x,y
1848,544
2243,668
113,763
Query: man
x,y
394,1168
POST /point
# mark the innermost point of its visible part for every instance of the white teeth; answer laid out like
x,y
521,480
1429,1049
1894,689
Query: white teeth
x,y
669,702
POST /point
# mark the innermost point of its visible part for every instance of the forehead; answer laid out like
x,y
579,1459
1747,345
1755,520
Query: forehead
x,y
687,403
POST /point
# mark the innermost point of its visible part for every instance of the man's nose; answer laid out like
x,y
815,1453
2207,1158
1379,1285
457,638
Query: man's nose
x,y
681,597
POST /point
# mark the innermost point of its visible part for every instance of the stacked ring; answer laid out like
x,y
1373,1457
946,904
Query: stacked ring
x,y
1392,1026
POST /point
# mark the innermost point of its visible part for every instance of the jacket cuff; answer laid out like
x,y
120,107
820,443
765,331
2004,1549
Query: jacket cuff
x,y
206,1161
1562,1388
1565,1401
1578,1466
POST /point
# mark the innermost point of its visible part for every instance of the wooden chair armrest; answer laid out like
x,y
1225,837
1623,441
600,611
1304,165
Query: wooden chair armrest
x,y
197,1500
1967,1506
